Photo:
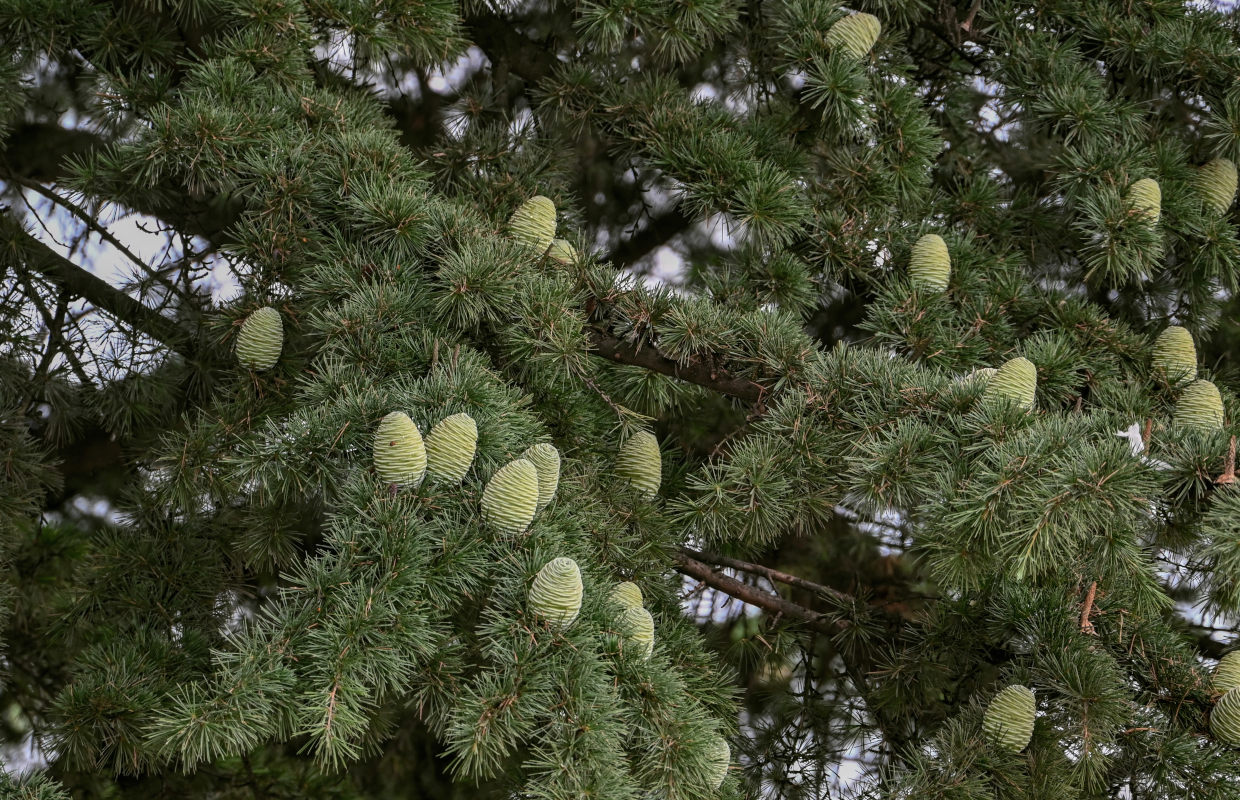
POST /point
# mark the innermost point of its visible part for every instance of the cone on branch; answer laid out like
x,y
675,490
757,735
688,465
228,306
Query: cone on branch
x,y
1227,673
1225,718
1216,183
718,759
854,34
557,592
546,461
640,462
637,626
930,265
1008,722
510,499
450,448
1145,198
1200,406
626,594
1175,356
1015,381
562,250
261,339
399,453
533,223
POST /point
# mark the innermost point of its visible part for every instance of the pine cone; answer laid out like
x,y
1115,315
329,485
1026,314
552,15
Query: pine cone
x,y
1009,718
638,628
546,460
400,456
1225,718
1216,182
556,593
639,461
1017,380
1200,406
562,250
510,498
1145,197
627,594
930,266
533,224
854,34
261,339
1174,356
718,758
450,448
1227,673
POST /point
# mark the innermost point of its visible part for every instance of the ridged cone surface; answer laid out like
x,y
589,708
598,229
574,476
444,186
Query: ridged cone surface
x,y
1227,673
980,375
261,339
450,448
718,757
400,455
556,592
1017,380
1200,406
1146,197
533,224
930,265
1225,718
562,251
639,461
1175,356
546,460
1216,181
627,594
1009,718
638,628
854,34
510,499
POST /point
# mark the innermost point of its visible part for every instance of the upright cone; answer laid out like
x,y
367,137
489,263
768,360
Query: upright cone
x,y
1145,197
718,758
1009,718
1227,673
1216,182
510,499
854,34
261,339
638,628
450,448
533,223
1200,406
627,594
1017,380
400,456
1225,718
640,462
1174,355
557,591
546,460
930,265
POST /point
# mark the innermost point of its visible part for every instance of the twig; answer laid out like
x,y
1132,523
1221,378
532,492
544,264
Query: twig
x,y
1229,468
696,371
1087,627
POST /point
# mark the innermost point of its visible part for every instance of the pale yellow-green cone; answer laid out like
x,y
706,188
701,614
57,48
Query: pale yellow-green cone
x,y
450,448
980,375
930,265
854,34
400,456
510,498
533,223
1200,406
639,461
638,628
546,460
261,339
1225,718
1009,718
627,594
556,593
1017,380
1175,356
1227,673
1145,197
718,758
562,250
1216,182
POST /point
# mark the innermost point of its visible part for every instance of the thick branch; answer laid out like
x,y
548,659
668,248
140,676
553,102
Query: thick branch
x,y
699,372
657,232
772,575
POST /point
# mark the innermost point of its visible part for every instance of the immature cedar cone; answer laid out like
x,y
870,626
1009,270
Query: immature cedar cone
x,y
1174,354
450,448
854,34
718,757
1009,718
930,266
261,339
1017,380
1216,182
1200,406
627,594
510,499
400,456
980,375
546,460
639,461
638,628
1145,197
533,224
1227,673
562,250
1225,718
556,593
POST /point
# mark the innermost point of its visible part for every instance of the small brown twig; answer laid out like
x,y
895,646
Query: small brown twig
x,y
1087,627
1229,467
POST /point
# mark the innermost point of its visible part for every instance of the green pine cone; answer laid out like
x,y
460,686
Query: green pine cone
x,y
1017,380
1225,718
450,448
854,34
533,224
1200,406
1227,673
1174,354
930,266
627,594
400,456
639,461
718,758
562,250
1145,197
510,499
261,339
556,593
638,628
546,460
1216,182
1009,718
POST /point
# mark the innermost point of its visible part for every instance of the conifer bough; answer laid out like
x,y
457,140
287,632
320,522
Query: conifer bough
x,y
1200,406
1227,673
627,593
1225,718
546,461
718,759
510,499
533,223
1017,381
1216,181
557,592
1175,356
400,455
640,463
638,628
261,339
1009,718
450,448
855,34
930,265
1145,197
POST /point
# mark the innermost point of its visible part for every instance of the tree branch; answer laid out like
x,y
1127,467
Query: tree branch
x,y
696,371
657,232
770,574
